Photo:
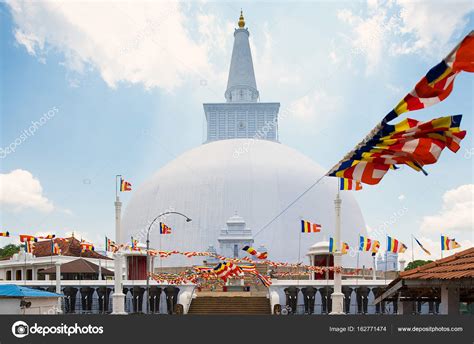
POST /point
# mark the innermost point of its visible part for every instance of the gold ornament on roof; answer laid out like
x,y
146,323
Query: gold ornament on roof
x,y
241,20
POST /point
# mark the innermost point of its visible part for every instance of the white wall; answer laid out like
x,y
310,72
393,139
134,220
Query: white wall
x,y
43,305
10,306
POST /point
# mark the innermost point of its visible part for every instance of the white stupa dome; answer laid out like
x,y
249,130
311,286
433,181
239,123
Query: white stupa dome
x,y
244,170
321,247
210,184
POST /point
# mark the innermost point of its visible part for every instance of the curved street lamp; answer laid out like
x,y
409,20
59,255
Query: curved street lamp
x,y
148,256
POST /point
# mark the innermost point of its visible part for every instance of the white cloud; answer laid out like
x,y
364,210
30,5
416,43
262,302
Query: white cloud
x,y
431,24
369,33
456,214
315,105
404,27
148,44
401,197
20,190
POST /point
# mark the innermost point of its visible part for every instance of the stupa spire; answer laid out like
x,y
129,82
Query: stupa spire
x,y
241,85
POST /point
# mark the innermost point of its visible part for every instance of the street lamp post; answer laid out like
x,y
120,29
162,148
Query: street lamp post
x,y
148,256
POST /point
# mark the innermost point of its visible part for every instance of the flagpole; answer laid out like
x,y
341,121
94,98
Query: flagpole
x,y
299,257
412,249
386,257
52,249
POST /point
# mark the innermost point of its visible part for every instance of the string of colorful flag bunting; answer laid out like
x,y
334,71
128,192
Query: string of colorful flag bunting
x,y
410,142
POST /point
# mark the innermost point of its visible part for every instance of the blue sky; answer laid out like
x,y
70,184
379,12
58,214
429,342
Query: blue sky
x,y
127,82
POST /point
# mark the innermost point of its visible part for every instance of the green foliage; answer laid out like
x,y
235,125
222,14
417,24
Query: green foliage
x,y
416,263
9,250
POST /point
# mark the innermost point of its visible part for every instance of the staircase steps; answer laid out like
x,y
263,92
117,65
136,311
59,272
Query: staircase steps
x,y
247,305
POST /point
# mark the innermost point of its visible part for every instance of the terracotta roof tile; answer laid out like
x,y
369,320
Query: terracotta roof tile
x,y
79,266
459,265
69,247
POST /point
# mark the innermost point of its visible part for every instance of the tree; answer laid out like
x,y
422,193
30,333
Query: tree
x,y
416,263
9,250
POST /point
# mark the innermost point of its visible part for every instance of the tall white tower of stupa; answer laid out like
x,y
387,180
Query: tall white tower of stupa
x,y
242,116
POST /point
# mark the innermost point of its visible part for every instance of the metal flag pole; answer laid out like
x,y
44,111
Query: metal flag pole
x,y
299,257
412,249
386,257
337,296
357,260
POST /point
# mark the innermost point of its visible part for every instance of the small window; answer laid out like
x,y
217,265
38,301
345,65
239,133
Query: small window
x,y
29,275
236,251
9,275
18,275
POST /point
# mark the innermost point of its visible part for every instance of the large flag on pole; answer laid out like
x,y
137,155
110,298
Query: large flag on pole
x,y
164,229
364,243
448,244
375,247
332,246
125,186
395,246
308,227
422,247
345,248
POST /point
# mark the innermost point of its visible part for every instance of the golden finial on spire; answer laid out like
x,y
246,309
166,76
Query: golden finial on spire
x,y
241,20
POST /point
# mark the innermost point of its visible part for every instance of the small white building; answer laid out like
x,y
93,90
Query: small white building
x,y
16,299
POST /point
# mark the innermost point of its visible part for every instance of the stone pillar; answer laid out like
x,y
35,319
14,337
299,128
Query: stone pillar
x,y
58,286
337,296
449,300
406,307
311,262
118,298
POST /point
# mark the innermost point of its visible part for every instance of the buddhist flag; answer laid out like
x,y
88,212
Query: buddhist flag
x,y
28,245
448,244
86,247
134,244
345,248
422,247
349,184
125,186
26,238
110,245
375,247
332,246
308,227
254,252
164,229
364,243
395,246
5,234
55,249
